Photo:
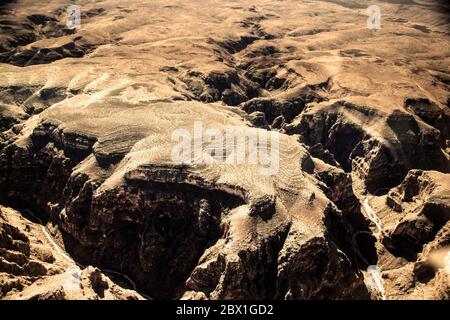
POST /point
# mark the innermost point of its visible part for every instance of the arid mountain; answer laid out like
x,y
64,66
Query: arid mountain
x,y
315,149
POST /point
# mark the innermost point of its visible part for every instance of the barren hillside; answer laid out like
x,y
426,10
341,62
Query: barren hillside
x,y
345,194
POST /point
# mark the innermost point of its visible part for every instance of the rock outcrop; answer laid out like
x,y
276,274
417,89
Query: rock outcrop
x,y
32,268
416,237
422,201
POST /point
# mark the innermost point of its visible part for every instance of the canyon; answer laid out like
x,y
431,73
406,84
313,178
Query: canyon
x,y
92,205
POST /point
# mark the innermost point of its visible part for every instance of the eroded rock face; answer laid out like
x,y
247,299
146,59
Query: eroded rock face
x,y
416,237
422,201
155,219
88,119
32,268
87,284
15,254
381,153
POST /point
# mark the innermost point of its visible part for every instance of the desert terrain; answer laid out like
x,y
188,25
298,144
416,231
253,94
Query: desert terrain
x,y
356,204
